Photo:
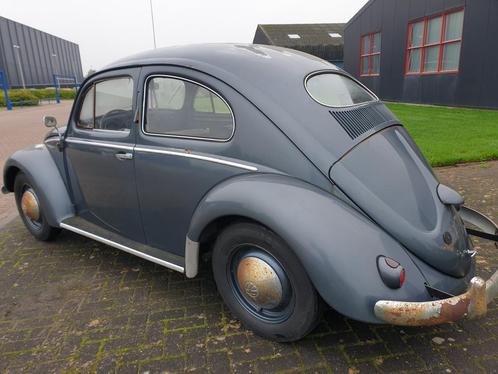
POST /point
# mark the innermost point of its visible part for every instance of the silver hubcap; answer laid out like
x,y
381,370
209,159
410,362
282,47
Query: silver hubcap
x,y
259,283
29,205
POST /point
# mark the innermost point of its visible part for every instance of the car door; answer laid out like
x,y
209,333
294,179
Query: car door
x,y
182,151
99,153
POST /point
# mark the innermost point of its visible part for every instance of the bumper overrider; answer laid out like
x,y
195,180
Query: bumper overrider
x,y
471,304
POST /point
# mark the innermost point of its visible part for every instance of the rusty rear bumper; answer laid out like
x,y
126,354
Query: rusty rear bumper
x,y
471,304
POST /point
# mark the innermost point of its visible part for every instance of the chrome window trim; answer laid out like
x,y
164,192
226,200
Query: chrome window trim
x,y
144,104
197,157
122,247
319,72
99,144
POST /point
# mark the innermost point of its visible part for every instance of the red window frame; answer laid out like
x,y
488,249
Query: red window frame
x,y
441,43
369,54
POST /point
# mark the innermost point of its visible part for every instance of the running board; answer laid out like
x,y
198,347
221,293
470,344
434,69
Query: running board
x,y
83,227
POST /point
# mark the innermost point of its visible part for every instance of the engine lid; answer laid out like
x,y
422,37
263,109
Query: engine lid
x,y
387,176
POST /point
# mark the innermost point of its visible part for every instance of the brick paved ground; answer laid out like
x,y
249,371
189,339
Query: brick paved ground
x,y
74,305
20,128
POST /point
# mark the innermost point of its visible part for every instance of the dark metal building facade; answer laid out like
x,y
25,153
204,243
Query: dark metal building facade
x,y
473,83
30,57
324,40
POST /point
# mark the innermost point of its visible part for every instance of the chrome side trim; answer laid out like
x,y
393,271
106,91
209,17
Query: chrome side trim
x,y
51,140
132,251
99,144
197,157
144,104
105,131
191,258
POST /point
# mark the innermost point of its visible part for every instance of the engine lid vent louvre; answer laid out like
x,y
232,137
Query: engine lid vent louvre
x,y
358,121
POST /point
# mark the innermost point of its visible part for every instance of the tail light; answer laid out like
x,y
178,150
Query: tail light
x,y
391,272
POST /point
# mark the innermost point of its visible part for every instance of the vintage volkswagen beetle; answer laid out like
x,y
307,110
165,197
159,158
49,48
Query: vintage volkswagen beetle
x,y
303,184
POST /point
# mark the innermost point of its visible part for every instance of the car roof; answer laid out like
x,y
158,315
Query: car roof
x,y
271,78
224,59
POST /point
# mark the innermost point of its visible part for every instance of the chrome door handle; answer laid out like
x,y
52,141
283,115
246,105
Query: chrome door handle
x,y
124,156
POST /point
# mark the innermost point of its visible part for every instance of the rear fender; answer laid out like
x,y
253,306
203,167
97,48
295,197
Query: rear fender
x,y
38,165
337,245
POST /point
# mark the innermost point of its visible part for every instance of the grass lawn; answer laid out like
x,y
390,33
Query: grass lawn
x,y
448,136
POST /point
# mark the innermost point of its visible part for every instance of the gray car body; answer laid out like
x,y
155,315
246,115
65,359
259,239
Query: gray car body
x,y
289,165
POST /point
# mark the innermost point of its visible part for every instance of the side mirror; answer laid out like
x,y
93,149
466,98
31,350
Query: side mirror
x,y
49,121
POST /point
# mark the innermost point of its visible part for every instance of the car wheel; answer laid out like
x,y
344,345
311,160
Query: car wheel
x,y
263,283
31,211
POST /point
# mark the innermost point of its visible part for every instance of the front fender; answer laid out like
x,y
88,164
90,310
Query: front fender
x,y
337,245
39,166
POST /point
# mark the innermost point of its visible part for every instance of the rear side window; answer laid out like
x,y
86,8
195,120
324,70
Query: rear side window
x,y
108,105
180,108
336,90
207,102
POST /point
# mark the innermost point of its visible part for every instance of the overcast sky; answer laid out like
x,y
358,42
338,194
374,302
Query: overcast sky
x,y
107,30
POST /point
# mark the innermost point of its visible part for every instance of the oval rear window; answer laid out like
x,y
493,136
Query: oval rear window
x,y
336,90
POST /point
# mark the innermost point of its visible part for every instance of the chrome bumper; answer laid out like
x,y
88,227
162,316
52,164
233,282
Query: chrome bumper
x,y
471,304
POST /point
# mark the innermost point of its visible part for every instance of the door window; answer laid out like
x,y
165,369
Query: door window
x,y
180,108
108,105
86,113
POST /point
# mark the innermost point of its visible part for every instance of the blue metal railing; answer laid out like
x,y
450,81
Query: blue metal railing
x,y
74,84
5,87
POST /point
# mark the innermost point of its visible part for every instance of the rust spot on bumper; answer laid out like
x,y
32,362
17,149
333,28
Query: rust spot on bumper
x,y
471,304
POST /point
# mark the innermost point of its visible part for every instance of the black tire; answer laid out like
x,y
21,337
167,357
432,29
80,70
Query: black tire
x,y
39,228
299,310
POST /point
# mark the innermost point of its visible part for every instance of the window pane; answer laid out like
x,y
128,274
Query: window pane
x,y
206,101
417,34
431,59
376,43
113,104
454,26
203,101
414,57
182,108
434,26
375,64
219,105
336,90
451,56
365,42
166,93
86,113
364,65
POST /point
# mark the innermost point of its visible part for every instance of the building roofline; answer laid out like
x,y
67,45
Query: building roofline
x,y
260,26
359,13
34,28
311,33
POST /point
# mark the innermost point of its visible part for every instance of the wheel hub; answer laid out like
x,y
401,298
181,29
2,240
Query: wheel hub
x,y
29,205
259,283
